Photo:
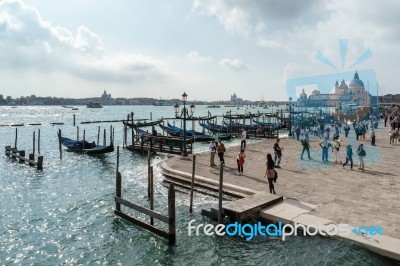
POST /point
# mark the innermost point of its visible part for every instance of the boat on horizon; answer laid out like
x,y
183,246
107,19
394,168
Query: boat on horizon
x,y
163,103
213,106
94,105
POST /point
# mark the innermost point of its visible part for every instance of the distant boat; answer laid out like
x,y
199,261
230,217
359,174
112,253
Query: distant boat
x,y
163,103
230,105
94,105
75,108
65,106
213,106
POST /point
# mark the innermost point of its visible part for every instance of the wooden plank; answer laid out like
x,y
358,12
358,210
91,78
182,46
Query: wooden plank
x,y
142,224
141,209
245,207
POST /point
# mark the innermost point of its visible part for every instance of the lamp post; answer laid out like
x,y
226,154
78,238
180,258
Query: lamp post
x,y
184,99
290,116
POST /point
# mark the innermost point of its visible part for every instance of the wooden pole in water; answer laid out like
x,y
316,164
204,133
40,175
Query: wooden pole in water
x,y
104,137
148,173
21,154
171,214
110,134
192,184
118,183
83,144
34,142
59,143
132,128
38,141
39,164
113,135
74,119
77,133
151,116
151,194
221,180
16,137
98,136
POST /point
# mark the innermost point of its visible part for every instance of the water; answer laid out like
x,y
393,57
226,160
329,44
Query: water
x,y
64,215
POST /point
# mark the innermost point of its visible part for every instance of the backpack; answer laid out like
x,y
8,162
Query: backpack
x,y
362,153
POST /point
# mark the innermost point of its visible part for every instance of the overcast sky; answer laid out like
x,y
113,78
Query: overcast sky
x,y
210,48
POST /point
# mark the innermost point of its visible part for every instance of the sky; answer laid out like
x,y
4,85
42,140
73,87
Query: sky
x,y
209,49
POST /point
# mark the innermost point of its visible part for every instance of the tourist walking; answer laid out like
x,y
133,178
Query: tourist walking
x,y
153,132
278,153
335,149
361,154
270,173
349,156
243,137
325,145
240,161
297,131
213,148
346,129
306,147
372,135
221,150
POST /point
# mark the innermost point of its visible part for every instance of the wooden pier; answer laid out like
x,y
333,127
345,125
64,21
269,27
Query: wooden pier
x,y
242,209
20,156
170,219
173,145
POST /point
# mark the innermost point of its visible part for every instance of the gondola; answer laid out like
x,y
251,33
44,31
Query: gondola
x,y
86,147
144,124
200,136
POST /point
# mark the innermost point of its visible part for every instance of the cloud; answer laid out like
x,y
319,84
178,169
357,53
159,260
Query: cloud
x,y
234,64
27,41
300,25
195,57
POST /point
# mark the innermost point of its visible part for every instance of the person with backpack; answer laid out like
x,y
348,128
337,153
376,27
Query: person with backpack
x,y
220,151
335,149
270,173
361,154
306,147
349,156
278,153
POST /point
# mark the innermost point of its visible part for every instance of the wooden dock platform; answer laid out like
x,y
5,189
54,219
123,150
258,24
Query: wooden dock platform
x,y
241,209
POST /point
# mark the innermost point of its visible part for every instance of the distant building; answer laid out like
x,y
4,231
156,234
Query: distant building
x,y
235,100
344,96
106,99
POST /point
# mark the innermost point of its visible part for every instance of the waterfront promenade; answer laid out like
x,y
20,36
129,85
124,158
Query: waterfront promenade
x,y
353,197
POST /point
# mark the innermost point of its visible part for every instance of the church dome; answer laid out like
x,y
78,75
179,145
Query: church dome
x,y
356,82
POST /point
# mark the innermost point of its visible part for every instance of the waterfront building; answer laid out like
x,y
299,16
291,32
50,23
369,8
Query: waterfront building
x,y
343,98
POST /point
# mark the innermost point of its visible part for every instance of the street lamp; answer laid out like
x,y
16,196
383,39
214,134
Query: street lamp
x,y
184,99
176,108
290,116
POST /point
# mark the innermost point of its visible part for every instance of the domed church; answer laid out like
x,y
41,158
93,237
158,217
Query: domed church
x,y
352,94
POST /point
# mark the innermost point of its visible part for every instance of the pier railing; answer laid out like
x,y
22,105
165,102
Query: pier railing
x,y
174,145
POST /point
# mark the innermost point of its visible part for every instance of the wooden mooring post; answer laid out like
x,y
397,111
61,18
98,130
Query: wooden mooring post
x,y
20,156
192,184
74,120
59,142
221,182
148,172
151,198
170,219
16,137
98,136
77,133
38,141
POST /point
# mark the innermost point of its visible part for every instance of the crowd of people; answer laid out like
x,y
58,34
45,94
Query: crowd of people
x,y
329,140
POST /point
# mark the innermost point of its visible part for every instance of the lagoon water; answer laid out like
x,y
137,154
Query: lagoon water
x,y
64,214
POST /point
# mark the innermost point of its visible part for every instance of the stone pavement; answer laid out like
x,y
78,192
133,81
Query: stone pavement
x,y
354,197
